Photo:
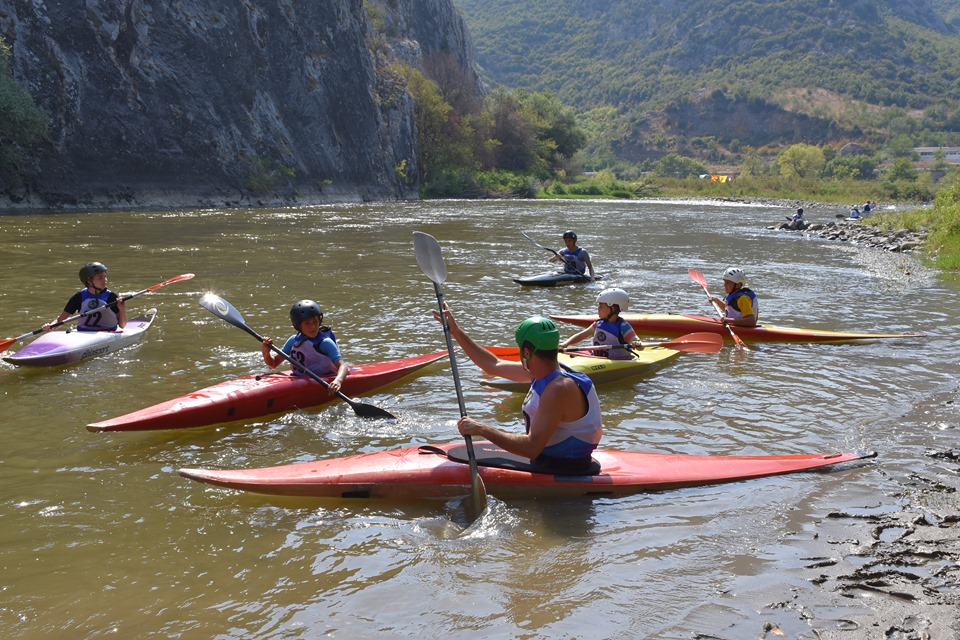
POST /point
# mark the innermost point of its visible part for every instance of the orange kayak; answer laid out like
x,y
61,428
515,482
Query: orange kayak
x,y
675,325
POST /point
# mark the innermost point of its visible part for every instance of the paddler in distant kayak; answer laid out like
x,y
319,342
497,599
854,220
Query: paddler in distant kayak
x,y
94,295
575,259
314,345
740,305
610,328
561,411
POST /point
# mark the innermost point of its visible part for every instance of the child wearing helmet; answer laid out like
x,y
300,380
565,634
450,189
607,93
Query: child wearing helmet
x,y
561,411
314,346
610,328
575,259
111,314
740,304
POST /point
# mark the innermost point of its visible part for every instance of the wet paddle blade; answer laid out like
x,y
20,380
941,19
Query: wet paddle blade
x,y
478,497
364,410
179,278
539,245
6,344
429,257
699,342
697,277
222,309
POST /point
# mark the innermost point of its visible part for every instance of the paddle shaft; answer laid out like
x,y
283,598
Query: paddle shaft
x,y
698,342
556,253
699,279
6,343
430,259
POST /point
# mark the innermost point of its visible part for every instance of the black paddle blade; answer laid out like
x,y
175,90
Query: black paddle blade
x,y
222,309
364,410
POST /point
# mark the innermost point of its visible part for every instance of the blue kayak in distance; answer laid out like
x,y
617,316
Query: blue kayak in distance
x,y
554,279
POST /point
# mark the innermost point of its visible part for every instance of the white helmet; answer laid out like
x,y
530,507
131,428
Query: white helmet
x,y
735,275
612,297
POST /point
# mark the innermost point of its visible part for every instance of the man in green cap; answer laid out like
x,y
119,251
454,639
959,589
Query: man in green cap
x,y
561,410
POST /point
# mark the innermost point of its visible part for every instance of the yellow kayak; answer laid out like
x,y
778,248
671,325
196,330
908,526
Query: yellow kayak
x,y
600,370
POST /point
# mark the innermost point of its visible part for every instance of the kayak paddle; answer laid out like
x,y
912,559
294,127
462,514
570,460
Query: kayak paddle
x,y
430,259
699,279
699,342
5,344
226,311
540,245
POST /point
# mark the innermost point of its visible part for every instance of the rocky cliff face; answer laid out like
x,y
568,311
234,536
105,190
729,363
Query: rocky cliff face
x,y
208,102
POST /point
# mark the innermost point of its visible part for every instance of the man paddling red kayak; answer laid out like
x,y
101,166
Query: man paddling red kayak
x,y
561,411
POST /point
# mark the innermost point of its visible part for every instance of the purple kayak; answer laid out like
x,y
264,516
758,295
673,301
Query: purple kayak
x,y
68,347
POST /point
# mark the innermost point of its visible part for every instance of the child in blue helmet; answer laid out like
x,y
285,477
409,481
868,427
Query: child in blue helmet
x,y
314,346
111,314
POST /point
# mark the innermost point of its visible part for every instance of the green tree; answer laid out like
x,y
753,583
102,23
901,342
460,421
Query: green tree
x,y
801,161
860,167
674,165
515,131
22,124
901,146
752,166
902,169
444,141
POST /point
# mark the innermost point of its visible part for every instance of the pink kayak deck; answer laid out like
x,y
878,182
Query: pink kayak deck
x,y
413,473
260,395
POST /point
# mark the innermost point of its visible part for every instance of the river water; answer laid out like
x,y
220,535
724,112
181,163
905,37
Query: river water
x,y
102,538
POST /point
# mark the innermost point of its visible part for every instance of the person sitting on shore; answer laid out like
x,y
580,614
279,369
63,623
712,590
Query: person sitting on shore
x,y
797,222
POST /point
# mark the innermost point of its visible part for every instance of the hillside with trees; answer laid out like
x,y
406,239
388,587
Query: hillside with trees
x,y
710,79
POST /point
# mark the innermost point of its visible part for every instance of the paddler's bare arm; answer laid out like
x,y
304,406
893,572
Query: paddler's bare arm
x,y
562,400
480,356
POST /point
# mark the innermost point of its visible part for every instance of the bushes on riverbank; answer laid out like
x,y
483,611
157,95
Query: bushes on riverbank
x,y
942,220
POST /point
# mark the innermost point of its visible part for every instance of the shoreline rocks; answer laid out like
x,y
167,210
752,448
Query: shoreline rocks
x,y
855,232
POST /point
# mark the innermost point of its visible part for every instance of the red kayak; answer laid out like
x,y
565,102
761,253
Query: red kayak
x,y
675,325
259,395
442,472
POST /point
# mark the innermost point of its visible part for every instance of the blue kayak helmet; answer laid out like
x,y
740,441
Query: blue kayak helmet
x,y
540,332
91,269
304,310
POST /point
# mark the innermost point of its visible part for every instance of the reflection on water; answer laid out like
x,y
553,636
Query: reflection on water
x,y
102,536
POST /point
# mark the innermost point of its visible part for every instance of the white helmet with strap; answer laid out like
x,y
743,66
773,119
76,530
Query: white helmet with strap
x,y
737,276
614,296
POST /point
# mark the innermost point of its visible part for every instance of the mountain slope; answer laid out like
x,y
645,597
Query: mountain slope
x,y
646,56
